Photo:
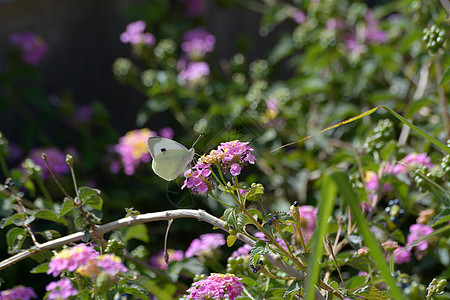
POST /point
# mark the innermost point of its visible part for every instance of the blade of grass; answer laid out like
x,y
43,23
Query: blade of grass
x,y
369,112
328,193
345,189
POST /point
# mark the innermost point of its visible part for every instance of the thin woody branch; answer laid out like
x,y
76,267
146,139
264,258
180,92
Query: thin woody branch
x,y
200,215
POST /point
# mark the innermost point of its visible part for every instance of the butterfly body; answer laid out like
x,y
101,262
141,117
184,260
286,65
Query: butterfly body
x,y
170,158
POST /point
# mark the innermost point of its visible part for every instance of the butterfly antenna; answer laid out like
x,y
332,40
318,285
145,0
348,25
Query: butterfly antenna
x,y
199,137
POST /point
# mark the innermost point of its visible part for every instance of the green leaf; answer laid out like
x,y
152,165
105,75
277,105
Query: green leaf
x,y
1,281
445,78
231,239
22,222
135,291
80,222
10,220
295,286
50,234
95,202
442,217
138,232
377,254
42,268
243,220
64,208
85,193
230,216
49,215
259,248
42,256
15,238
254,212
375,294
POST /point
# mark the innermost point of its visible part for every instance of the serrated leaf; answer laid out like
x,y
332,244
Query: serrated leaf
x,y
49,215
259,248
42,268
242,220
85,193
50,234
138,232
64,208
256,212
15,238
231,239
136,291
80,222
94,214
230,216
22,222
95,202
295,286
9,220
442,217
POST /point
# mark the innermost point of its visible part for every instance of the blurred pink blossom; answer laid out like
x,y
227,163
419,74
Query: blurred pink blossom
x,y
134,34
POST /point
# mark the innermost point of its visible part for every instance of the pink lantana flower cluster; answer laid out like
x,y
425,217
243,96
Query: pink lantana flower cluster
x,y
216,286
132,147
134,34
18,292
197,42
86,261
416,232
231,156
205,245
61,289
413,159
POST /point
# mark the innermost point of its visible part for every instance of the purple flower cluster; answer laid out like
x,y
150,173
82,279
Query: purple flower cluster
x,y
242,251
299,17
132,148
18,293
31,46
56,159
232,156
236,155
71,258
157,261
134,34
413,159
373,33
194,71
205,245
416,232
216,286
308,217
197,42
62,289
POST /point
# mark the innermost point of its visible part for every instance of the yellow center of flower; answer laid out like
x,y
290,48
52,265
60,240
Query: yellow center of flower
x,y
137,141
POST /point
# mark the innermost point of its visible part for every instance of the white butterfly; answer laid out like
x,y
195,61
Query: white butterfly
x,y
170,158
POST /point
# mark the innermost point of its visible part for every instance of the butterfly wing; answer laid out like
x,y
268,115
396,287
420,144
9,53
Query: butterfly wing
x,y
170,158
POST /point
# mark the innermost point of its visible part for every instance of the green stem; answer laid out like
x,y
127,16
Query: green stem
x,y
218,200
4,166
